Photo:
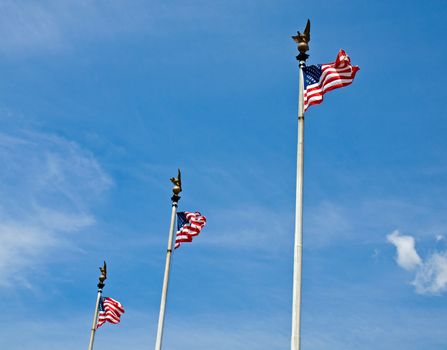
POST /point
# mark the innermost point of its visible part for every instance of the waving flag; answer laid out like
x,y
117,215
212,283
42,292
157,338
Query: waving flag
x,y
189,225
321,78
110,310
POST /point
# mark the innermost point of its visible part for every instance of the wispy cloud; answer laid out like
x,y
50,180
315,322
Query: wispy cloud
x,y
238,332
54,26
137,331
28,26
326,222
51,26
366,219
250,228
47,185
431,273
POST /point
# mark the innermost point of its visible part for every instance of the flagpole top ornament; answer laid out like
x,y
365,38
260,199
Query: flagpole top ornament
x,y
102,276
177,181
302,39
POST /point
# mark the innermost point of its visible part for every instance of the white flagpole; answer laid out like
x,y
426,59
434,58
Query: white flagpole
x,y
175,198
302,39
298,248
95,320
101,285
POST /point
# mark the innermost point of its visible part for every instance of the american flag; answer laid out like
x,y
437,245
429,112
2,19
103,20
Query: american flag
x,y
321,78
110,310
188,225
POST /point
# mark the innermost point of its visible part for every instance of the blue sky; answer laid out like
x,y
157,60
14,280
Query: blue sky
x,y
101,101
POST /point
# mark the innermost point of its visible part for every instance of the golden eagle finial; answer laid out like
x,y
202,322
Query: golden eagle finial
x,y
177,181
103,275
302,39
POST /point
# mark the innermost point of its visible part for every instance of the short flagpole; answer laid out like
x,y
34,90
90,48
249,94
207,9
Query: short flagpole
x,y
101,285
302,40
175,198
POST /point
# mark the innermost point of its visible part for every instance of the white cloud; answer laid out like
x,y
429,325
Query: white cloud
x,y
47,186
431,273
407,257
431,278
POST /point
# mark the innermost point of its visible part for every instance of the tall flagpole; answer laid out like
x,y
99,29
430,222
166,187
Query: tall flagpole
x,y
101,285
175,198
302,41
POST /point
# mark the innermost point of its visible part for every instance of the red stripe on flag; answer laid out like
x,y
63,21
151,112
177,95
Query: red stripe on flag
x,y
334,75
112,312
185,234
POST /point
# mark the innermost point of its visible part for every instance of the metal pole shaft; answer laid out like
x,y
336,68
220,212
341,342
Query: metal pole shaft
x,y
298,248
164,292
95,320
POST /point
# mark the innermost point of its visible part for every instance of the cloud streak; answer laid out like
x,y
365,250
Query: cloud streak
x,y
47,187
54,26
49,26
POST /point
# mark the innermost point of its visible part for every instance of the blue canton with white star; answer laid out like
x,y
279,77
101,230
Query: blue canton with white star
x,y
101,304
181,220
311,74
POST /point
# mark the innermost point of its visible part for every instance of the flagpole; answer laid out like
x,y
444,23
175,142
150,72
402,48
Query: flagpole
x,y
302,40
101,285
175,198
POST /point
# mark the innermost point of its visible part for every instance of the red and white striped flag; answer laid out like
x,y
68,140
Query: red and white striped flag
x,y
188,225
321,78
110,310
